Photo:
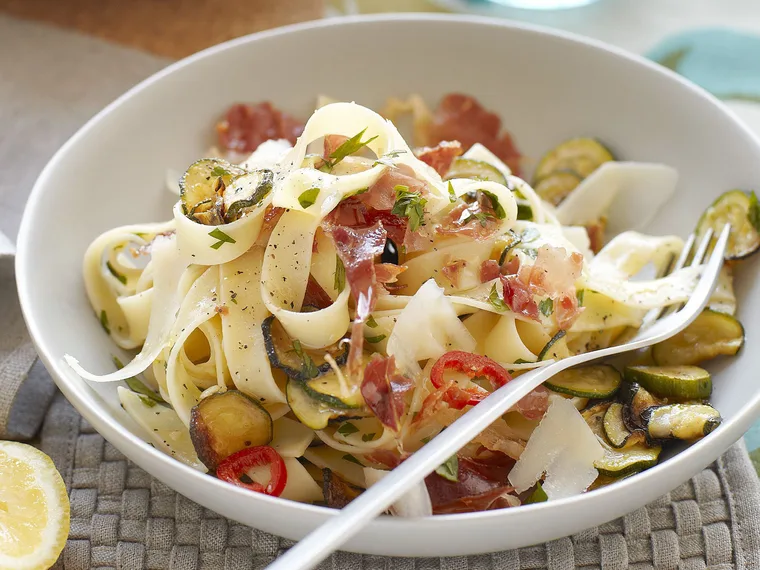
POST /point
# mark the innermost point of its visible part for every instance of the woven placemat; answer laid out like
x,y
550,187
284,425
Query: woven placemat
x,y
123,518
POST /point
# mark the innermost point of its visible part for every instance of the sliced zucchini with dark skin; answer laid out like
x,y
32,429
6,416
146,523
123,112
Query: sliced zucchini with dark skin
x,y
711,334
597,382
675,382
682,421
639,402
614,426
312,412
742,211
331,391
245,192
476,170
581,155
223,424
632,458
295,361
201,188
337,492
556,186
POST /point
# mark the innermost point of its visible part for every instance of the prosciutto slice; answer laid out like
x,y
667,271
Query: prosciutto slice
x,y
383,389
440,156
245,127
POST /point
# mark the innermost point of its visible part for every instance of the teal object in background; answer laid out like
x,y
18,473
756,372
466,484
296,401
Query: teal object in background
x,y
725,62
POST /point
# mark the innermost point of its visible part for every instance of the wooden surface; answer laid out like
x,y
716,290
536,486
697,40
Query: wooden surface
x,y
171,28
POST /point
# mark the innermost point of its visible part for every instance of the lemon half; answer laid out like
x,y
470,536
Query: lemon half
x,y
34,508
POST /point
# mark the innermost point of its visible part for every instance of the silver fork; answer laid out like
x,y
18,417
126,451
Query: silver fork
x,y
352,518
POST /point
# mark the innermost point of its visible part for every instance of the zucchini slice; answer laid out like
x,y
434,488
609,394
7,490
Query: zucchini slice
x,y
475,169
634,457
223,424
329,390
710,335
312,412
245,192
202,186
556,186
295,361
597,382
640,401
742,211
580,155
679,382
614,426
682,421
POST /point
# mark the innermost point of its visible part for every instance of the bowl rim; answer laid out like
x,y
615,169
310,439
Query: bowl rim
x,y
691,459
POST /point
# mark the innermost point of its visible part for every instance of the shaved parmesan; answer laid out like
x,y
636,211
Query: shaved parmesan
x,y
564,448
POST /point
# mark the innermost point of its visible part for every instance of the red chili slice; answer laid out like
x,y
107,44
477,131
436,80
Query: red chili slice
x,y
236,465
473,365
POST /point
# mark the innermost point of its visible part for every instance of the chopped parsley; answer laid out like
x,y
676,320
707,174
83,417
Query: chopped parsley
x,y
308,368
498,209
387,158
308,197
104,322
116,274
368,436
449,469
452,194
351,146
221,236
546,307
482,217
579,295
496,301
340,274
347,428
375,339
524,212
410,205
537,496
352,459
371,322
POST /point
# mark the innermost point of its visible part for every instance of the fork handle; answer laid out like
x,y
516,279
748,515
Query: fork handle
x,y
352,518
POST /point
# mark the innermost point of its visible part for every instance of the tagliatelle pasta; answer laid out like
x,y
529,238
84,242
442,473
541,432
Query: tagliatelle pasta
x,y
310,317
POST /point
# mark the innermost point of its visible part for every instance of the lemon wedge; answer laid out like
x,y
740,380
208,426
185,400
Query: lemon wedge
x,y
34,508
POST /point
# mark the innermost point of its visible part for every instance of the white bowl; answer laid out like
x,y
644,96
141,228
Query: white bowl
x,y
547,86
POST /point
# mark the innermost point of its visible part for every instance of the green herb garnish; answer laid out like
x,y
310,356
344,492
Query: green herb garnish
x,y
387,158
546,307
371,322
452,194
148,396
496,301
482,217
537,496
425,440
351,146
524,212
410,205
221,236
498,209
368,436
375,339
347,428
352,459
340,274
115,273
308,197
450,469
579,295
308,368
104,322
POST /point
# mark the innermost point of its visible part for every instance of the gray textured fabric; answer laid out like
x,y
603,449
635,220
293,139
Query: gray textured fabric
x,y
122,518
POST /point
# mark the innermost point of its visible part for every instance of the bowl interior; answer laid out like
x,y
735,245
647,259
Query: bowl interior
x,y
545,87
